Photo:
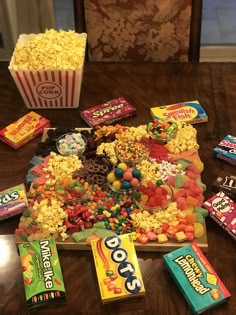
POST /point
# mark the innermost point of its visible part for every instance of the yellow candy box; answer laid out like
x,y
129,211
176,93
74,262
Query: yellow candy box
x,y
117,267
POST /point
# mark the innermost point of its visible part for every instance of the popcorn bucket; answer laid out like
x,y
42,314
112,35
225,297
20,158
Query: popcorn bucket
x,y
45,89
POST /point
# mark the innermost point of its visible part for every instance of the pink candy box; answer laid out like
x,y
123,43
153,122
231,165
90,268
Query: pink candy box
x,y
108,113
223,210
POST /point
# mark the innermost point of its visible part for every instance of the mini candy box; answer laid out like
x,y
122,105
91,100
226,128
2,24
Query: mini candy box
x,y
24,129
13,201
196,278
189,112
42,274
108,113
117,268
223,210
226,150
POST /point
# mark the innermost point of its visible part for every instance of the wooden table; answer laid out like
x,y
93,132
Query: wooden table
x,y
143,85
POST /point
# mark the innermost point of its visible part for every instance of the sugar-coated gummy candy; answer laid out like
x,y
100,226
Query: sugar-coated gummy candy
x,y
198,230
178,181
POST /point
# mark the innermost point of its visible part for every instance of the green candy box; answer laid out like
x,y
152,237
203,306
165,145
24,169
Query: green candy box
x,y
42,274
196,278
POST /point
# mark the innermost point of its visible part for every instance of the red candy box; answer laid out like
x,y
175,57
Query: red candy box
x,y
108,113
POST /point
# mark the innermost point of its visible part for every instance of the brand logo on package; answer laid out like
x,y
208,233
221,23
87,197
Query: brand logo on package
x,y
49,90
221,205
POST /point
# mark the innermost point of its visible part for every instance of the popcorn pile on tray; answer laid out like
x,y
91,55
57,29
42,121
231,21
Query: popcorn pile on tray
x,y
48,68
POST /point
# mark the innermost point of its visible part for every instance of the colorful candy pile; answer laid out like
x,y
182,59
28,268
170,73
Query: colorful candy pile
x,y
153,196
71,190
71,143
162,130
123,177
131,152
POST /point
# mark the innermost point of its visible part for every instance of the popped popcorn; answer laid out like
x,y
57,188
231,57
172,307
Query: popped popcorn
x,y
186,139
50,50
50,217
61,166
153,222
109,150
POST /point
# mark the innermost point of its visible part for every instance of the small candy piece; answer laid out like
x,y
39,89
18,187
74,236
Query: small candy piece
x,y
204,212
184,163
198,230
109,273
136,173
178,181
123,166
180,236
118,172
125,185
162,238
111,177
127,175
116,184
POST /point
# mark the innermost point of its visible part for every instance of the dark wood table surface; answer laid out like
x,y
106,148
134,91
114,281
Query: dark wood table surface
x,y
143,85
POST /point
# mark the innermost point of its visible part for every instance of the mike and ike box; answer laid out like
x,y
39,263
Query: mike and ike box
x,y
117,267
42,275
196,278
190,112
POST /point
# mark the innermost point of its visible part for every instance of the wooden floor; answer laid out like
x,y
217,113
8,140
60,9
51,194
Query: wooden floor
x,y
143,85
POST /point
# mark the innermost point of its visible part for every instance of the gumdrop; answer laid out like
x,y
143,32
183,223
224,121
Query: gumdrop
x,y
181,203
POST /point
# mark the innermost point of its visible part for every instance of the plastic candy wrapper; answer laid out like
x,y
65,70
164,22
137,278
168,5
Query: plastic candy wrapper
x,y
189,112
13,201
108,113
42,274
117,268
196,278
223,210
24,129
226,150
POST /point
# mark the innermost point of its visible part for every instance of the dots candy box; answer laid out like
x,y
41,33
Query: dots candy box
x,y
223,211
13,201
196,278
226,150
190,112
24,129
117,268
42,274
108,113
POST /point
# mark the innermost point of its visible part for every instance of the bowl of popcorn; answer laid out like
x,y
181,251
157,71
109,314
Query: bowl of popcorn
x,y
124,179
72,190
132,152
162,130
48,68
153,197
71,143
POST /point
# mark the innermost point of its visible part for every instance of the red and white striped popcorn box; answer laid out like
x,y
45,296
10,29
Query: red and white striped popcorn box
x,y
49,89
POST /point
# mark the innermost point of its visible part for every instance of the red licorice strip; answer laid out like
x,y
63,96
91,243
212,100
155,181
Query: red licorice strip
x,y
101,254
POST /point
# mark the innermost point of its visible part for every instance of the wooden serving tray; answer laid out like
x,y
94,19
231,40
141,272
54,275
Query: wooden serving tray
x,y
70,244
